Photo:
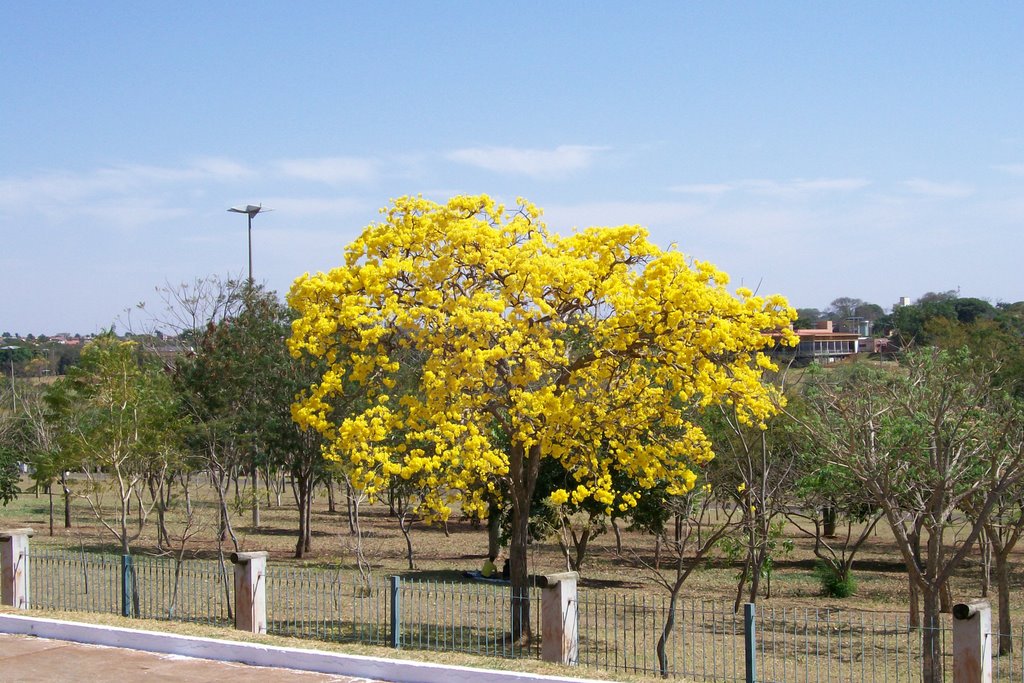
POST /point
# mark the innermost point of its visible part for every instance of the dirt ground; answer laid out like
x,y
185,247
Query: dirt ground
x,y
441,553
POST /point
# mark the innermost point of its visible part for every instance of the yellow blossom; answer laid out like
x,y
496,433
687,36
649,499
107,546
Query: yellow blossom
x,y
465,340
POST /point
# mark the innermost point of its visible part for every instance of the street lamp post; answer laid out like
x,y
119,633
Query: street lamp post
x,y
250,211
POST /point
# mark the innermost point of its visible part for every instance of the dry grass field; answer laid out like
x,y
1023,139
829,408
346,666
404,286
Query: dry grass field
x,y
881,580
606,576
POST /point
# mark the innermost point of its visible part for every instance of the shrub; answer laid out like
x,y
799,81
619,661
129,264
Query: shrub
x,y
833,584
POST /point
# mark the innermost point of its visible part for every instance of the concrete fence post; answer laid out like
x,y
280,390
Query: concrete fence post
x,y
558,607
250,591
972,642
14,567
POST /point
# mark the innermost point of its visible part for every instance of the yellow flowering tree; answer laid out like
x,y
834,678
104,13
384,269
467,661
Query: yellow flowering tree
x,y
530,345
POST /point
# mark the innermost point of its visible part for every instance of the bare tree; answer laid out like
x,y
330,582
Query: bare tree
x,y
698,533
923,441
1002,531
757,469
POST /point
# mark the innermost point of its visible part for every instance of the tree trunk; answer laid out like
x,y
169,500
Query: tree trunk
x,y
914,604
946,598
49,491
255,497
405,522
931,637
579,545
156,492
493,529
332,507
755,579
829,517
524,467
740,583
666,631
310,492
350,510
1003,589
226,530
301,485
986,564
67,499
519,574
618,536
186,481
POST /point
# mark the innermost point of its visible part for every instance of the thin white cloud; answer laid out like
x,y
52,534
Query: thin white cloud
x,y
931,188
331,170
837,184
774,188
536,163
128,214
219,168
708,189
1012,169
63,187
319,206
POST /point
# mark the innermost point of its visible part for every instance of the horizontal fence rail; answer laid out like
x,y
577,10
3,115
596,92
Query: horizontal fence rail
x,y
616,632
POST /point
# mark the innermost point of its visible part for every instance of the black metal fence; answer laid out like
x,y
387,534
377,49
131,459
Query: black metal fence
x,y
617,632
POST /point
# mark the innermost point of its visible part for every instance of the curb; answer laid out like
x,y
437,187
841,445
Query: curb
x,y
256,654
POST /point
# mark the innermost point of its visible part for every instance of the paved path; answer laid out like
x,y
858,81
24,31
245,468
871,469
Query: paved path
x,y
26,658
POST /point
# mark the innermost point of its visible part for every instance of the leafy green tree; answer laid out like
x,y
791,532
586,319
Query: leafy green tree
x,y
1003,529
828,494
868,311
9,474
115,416
929,320
807,318
238,386
843,307
936,297
27,435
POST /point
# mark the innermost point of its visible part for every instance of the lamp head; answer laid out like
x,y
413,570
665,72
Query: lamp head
x,y
249,209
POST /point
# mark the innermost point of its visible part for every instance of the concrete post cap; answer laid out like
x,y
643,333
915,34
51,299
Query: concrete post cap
x,y
8,534
243,558
547,580
969,609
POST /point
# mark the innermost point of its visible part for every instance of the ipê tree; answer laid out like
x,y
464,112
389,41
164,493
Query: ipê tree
x,y
536,346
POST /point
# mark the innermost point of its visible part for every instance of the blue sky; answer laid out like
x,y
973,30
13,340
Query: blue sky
x,y
868,149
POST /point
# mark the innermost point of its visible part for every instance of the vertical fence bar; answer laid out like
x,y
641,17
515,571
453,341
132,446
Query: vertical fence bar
x,y
750,642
